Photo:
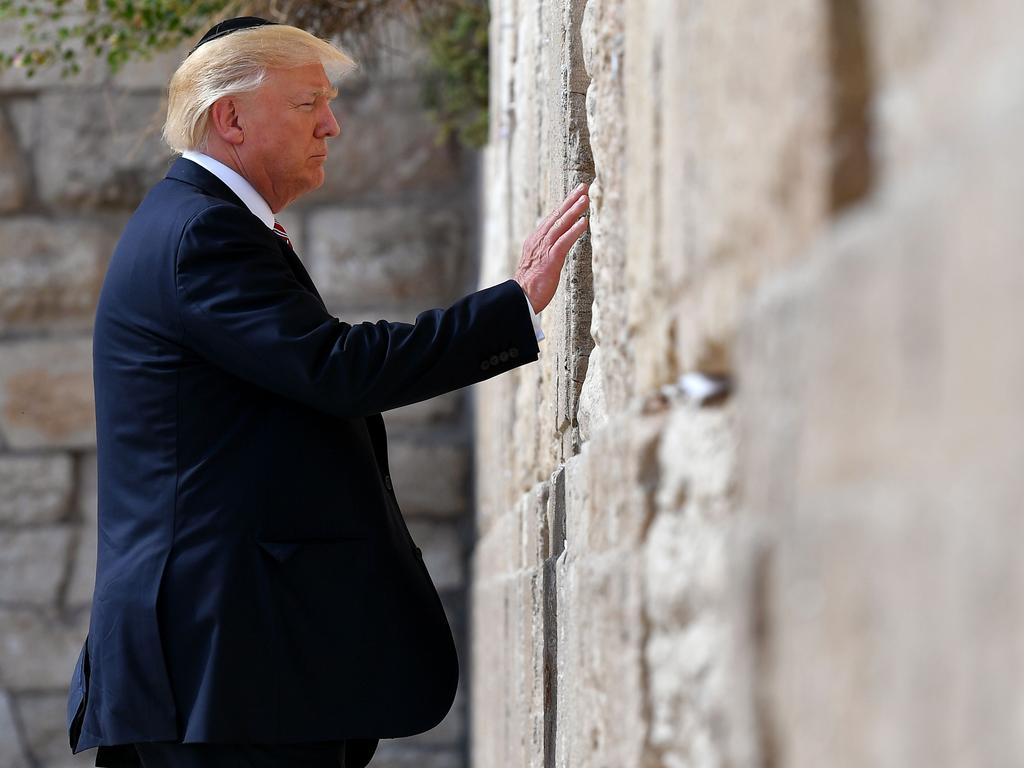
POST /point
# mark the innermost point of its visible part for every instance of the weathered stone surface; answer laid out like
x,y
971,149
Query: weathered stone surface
x,y
39,648
44,716
46,394
890,520
101,148
83,562
152,73
391,754
437,409
11,752
32,563
429,478
14,180
387,145
52,279
442,552
34,490
397,253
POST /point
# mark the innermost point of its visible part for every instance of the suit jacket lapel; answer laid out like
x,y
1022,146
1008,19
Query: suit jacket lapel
x,y
194,174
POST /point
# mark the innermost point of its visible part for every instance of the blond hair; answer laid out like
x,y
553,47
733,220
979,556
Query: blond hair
x,y
238,63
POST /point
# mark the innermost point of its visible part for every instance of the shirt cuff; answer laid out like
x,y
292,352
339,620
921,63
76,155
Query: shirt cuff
x,y
533,318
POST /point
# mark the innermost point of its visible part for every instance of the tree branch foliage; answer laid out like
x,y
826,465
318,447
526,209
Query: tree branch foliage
x,y
59,33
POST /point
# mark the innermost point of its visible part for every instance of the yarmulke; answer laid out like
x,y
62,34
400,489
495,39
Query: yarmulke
x,y
228,26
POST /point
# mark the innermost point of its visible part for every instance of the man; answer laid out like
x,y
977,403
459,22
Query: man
x,y
259,600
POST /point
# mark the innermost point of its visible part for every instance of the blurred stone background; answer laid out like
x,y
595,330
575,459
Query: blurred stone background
x,y
392,232
814,202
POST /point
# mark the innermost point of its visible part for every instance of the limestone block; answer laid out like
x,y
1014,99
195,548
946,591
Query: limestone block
x,y
150,73
429,478
395,253
436,410
706,193
14,182
46,394
38,648
893,546
496,554
53,278
23,112
387,145
11,753
34,490
33,562
442,552
83,564
101,148
600,707
391,754
43,716
937,71
493,450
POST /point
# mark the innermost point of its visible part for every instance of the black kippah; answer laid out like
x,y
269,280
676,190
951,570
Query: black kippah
x,y
228,26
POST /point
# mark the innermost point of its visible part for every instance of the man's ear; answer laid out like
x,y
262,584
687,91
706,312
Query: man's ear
x,y
225,120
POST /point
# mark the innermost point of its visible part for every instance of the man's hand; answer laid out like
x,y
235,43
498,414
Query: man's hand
x,y
545,250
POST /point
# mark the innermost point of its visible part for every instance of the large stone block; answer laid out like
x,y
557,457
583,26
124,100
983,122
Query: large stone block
x,y
892,533
387,146
52,279
14,182
34,490
442,552
101,148
33,563
361,257
39,648
44,716
11,753
83,563
728,161
435,411
429,478
46,394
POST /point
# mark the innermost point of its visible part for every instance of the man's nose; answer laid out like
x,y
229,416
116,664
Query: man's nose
x,y
328,125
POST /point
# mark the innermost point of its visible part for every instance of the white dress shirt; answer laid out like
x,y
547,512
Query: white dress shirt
x,y
254,202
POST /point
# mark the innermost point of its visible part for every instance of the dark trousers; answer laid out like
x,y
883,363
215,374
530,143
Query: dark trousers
x,y
354,753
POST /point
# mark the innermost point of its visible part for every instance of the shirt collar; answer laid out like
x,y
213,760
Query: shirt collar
x,y
236,183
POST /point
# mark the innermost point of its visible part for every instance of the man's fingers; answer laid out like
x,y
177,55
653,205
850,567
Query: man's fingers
x,y
562,209
567,219
571,235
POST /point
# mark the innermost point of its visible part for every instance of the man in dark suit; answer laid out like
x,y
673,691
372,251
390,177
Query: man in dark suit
x,y
259,600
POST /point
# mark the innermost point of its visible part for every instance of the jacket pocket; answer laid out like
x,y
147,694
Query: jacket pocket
x,y
279,550
283,549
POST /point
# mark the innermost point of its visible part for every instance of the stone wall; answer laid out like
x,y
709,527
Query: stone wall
x,y
755,505
391,233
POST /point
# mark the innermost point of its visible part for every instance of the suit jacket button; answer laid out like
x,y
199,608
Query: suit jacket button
x,y
387,482
513,352
494,359
419,553
484,365
503,357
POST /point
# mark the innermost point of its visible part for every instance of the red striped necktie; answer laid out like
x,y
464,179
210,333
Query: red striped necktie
x,y
281,233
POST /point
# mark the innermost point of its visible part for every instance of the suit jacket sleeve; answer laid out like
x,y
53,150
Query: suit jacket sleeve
x,y
243,309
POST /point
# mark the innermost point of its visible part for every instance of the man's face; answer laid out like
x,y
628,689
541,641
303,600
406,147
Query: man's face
x,y
286,123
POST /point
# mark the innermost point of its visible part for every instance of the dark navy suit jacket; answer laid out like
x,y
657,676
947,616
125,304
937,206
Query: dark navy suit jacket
x,y
256,582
